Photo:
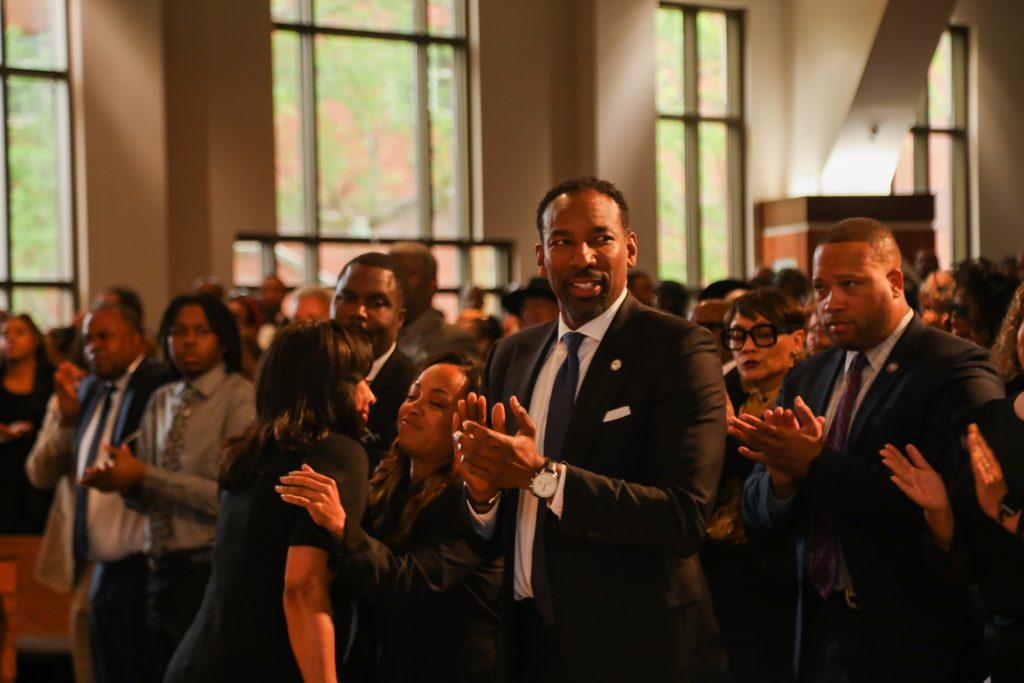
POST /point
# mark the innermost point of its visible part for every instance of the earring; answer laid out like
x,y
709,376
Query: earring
x,y
795,355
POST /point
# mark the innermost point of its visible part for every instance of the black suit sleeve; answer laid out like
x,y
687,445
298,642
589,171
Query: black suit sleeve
x,y
859,481
685,434
442,555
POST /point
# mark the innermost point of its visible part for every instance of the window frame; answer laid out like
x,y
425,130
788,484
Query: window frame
x,y
66,184
735,122
922,132
307,32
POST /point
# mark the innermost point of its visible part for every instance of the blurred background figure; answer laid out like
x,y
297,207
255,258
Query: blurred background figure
x,y
925,263
794,282
119,295
817,337
471,304
936,299
724,290
271,295
425,331
26,382
209,285
641,286
980,301
486,331
765,335
672,297
711,315
312,303
533,304
763,277
246,313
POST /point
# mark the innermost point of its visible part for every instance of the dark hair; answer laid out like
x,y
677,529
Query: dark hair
x,y
795,283
772,304
375,259
874,233
579,184
253,314
128,314
672,297
305,389
394,466
632,275
42,383
130,299
1004,351
218,316
990,290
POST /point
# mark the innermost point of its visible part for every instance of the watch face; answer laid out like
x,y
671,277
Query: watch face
x,y
544,485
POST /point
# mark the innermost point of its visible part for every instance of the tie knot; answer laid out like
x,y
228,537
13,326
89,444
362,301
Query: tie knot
x,y
572,341
860,361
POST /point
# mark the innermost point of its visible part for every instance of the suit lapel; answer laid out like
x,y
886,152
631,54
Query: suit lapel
x,y
524,368
887,377
601,383
819,393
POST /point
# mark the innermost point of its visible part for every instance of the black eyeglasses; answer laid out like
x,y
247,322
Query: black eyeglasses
x,y
763,334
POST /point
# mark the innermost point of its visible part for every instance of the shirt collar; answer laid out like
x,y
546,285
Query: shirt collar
x,y
121,383
878,354
596,328
206,383
379,362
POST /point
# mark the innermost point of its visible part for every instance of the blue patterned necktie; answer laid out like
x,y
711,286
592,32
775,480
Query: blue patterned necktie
x,y
823,543
81,526
560,405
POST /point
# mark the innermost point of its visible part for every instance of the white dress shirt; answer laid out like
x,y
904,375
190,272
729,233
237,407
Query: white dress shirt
x,y
378,363
115,530
526,515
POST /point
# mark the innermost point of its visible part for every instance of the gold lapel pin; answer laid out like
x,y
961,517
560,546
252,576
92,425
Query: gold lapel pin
x,y
616,365
892,367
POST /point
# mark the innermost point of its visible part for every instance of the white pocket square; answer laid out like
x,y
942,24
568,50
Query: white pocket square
x,y
617,414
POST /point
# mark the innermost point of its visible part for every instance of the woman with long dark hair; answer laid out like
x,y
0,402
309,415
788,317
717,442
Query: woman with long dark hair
x,y
424,580
26,382
266,614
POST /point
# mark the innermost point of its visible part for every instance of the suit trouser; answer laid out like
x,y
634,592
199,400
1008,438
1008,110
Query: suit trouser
x,y
120,646
538,658
174,592
81,642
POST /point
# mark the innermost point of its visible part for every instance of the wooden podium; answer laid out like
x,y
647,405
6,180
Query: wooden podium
x,y
786,231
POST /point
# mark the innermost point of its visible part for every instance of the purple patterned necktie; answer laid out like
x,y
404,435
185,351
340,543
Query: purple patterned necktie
x,y
823,562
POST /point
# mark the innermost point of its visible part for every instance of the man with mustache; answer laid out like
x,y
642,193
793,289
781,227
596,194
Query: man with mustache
x,y
597,481
871,606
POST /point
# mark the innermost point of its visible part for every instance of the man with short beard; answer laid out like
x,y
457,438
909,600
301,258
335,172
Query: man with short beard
x,y
871,608
599,492
370,297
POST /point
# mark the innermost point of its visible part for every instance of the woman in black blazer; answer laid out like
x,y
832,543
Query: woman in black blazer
x,y
764,330
433,601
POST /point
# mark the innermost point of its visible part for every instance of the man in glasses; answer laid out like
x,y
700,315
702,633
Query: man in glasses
x,y
871,606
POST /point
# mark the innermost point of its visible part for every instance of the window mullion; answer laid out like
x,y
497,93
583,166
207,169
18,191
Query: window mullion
x,y
691,151
308,97
424,200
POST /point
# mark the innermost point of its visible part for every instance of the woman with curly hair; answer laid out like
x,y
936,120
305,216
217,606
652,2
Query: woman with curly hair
x,y
1004,351
266,614
975,523
980,301
424,580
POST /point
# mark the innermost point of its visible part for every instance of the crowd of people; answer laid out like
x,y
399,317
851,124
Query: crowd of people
x,y
796,477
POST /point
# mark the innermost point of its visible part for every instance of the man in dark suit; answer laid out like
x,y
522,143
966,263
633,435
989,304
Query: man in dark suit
x,y
598,486
370,297
86,414
871,609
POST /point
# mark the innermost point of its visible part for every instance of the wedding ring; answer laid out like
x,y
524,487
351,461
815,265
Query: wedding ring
x,y
986,465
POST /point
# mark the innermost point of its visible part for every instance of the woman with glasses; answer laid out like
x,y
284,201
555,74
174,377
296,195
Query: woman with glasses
x,y
764,331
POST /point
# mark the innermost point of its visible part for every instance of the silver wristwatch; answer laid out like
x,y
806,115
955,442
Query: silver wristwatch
x,y
545,481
